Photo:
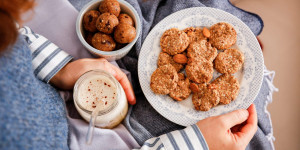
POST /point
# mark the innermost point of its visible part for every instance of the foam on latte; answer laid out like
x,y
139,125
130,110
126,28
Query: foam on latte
x,y
95,90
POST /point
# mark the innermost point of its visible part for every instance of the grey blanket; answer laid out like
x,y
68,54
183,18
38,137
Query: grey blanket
x,y
143,121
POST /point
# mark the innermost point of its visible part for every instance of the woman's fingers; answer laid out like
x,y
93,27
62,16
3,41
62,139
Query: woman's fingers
x,y
125,83
251,124
233,130
249,129
234,118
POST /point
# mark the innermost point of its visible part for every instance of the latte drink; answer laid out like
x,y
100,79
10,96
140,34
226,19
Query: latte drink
x,y
98,88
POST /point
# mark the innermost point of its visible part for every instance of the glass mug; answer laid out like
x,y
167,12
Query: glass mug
x,y
98,88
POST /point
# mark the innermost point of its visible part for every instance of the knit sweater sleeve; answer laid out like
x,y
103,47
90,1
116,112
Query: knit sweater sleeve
x,y
188,138
47,58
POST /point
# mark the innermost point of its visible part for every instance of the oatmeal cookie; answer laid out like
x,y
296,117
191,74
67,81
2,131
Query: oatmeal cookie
x,y
194,34
165,58
182,90
229,61
89,20
106,23
199,70
223,35
202,49
103,42
174,41
206,98
164,79
228,87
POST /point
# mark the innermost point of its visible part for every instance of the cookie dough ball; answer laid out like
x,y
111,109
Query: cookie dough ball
x,y
124,18
228,87
110,6
89,20
182,90
103,42
124,33
194,34
164,79
202,49
174,41
106,23
223,35
199,70
207,98
229,61
165,58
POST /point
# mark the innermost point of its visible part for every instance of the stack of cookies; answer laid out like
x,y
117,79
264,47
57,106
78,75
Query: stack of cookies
x,y
195,51
107,29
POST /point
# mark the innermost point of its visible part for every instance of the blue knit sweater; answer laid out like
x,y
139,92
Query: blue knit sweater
x,y
32,114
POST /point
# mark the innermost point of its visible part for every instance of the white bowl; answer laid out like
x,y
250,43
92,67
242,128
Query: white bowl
x,y
115,54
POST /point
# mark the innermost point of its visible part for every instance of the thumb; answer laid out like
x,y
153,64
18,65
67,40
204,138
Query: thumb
x,y
248,130
233,118
112,71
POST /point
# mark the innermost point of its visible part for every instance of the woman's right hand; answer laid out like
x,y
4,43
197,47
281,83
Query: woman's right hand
x,y
232,131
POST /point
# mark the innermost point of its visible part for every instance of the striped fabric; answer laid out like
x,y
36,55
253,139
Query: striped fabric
x,y
47,58
189,138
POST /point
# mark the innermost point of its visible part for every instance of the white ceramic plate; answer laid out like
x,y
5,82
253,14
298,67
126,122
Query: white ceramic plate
x,y
250,76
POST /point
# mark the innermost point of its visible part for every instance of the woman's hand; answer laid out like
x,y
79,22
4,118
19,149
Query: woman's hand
x,y
67,76
232,131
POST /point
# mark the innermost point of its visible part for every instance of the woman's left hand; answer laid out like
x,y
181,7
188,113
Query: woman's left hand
x,y
67,76
233,130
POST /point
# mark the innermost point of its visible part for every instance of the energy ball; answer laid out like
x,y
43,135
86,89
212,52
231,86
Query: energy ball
x,y
110,6
124,33
89,20
119,45
106,23
103,42
124,18
89,37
